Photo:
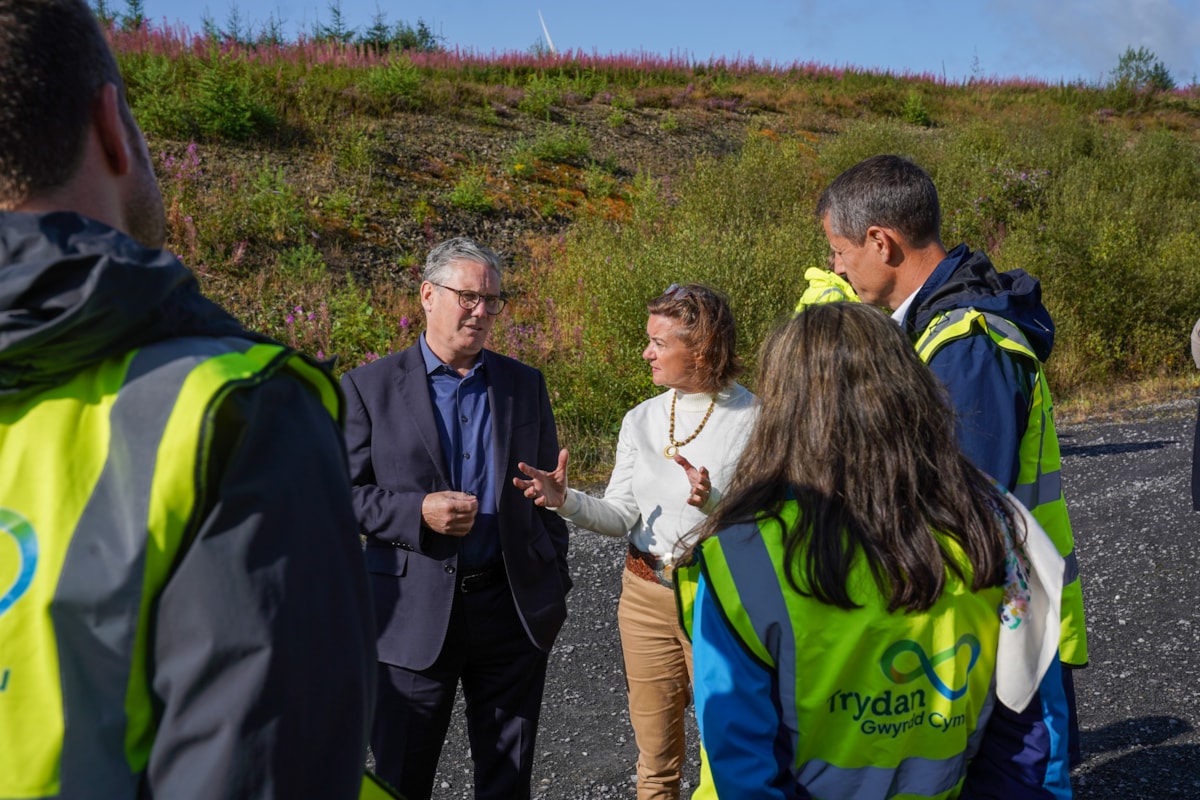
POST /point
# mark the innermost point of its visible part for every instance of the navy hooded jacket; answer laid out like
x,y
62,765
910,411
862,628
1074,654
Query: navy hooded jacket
x,y
990,389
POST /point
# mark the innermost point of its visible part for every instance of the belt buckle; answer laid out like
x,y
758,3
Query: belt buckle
x,y
665,572
466,582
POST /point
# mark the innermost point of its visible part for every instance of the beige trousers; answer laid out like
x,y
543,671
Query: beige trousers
x,y
658,672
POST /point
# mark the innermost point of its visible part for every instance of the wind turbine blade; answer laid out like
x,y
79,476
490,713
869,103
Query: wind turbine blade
x,y
549,41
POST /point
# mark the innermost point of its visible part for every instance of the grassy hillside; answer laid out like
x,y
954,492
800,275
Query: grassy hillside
x,y
306,182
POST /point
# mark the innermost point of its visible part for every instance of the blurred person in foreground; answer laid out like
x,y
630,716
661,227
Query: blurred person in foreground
x,y
865,601
469,578
1196,445
186,612
675,453
985,334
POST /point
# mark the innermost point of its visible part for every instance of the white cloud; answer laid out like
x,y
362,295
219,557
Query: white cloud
x,y
1085,38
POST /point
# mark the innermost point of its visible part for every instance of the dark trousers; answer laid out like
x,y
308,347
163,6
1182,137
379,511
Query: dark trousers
x,y
1196,468
1074,745
502,674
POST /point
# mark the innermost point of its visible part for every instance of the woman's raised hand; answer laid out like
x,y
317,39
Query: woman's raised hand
x,y
701,484
546,489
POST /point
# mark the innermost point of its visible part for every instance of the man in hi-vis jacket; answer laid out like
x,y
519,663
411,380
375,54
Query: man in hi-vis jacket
x,y
184,612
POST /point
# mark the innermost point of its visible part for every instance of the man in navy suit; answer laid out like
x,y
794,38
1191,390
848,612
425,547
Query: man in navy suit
x,y
469,578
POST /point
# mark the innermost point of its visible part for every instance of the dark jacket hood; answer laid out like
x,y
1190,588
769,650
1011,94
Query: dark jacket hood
x,y
967,279
74,291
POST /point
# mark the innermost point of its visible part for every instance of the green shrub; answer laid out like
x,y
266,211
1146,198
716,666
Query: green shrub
x,y
487,115
394,85
470,193
276,207
615,119
318,95
361,326
344,206
303,263
568,146
354,151
1141,71
225,104
913,111
153,84
1118,276
541,95
624,100
520,161
422,211
597,182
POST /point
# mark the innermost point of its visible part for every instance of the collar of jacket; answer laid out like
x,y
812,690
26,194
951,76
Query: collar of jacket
x,y
74,291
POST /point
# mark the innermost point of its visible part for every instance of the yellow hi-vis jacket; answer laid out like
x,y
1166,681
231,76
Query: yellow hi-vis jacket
x,y
1039,480
872,703
92,523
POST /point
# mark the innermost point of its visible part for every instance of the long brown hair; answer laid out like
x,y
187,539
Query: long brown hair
x,y
859,432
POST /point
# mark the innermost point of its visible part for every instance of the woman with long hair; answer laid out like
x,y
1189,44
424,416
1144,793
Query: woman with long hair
x,y
675,453
847,599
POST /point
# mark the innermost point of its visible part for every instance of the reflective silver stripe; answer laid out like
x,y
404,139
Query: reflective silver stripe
x,y
923,777
1046,489
930,338
1009,331
100,587
1070,568
761,595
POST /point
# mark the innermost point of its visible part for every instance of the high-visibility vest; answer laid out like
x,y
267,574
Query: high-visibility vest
x,y
872,703
1039,477
101,493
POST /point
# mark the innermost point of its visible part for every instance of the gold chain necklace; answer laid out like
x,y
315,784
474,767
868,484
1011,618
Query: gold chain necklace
x,y
673,447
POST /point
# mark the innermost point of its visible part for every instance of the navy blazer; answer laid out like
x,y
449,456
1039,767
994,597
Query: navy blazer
x,y
396,459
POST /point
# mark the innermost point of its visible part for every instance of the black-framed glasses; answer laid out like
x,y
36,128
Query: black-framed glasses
x,y
492,303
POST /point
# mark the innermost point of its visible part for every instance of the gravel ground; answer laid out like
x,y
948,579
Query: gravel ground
x,y
1127,486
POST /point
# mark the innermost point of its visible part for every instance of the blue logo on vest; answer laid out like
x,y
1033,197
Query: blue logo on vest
x,y
927,666
16,526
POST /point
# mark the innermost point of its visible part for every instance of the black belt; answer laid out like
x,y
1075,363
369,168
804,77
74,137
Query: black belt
x,y
482,578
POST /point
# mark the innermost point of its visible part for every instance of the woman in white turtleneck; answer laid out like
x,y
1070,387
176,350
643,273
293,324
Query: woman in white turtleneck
x,y
675,453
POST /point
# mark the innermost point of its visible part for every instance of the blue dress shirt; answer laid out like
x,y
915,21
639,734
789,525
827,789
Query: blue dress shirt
x,y
464,423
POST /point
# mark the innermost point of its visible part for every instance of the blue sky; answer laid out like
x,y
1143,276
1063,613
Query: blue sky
x,y
1050,40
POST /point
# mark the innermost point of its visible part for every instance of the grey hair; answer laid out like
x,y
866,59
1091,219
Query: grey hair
x,y
460,248
888,191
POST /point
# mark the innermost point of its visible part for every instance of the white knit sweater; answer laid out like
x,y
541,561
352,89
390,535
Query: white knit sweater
x,y
647,494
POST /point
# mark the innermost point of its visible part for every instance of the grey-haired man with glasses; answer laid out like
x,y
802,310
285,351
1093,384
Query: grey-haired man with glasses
x,y
468,577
